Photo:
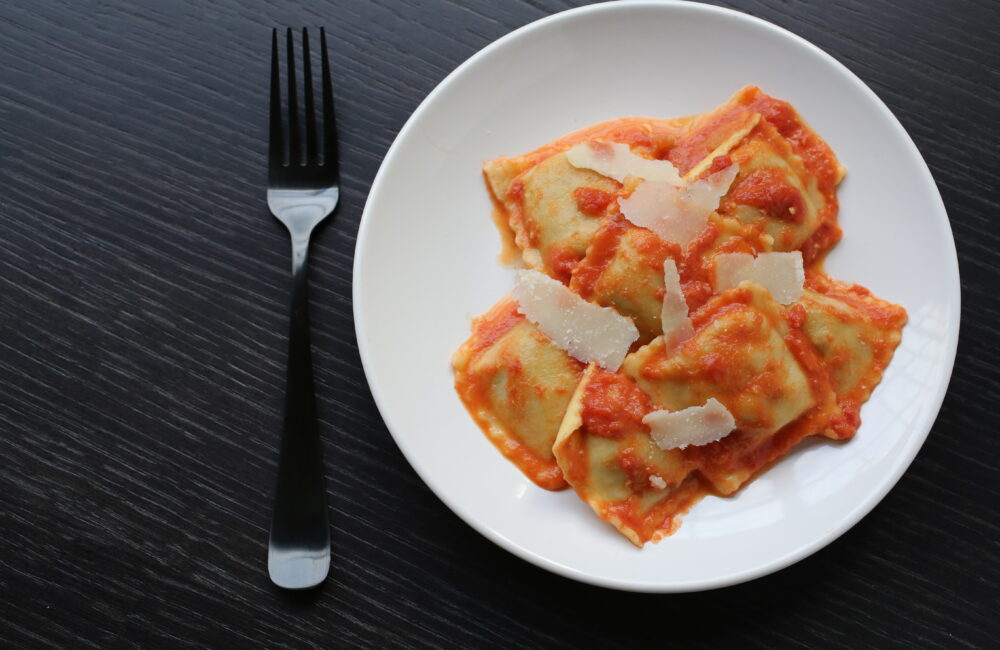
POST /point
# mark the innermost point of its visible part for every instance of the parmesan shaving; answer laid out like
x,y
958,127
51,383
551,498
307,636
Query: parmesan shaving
x,y
616,160
586,331
677,326
657,482
695,425
780,273
677,214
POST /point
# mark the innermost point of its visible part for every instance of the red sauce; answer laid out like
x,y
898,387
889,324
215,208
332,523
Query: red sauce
x,y
697,293
804,352
652,249
696,271
634,469
592,201
815,153
718,164
737,299
599,254
768,190
821,240
796,316
561,262
489,327
720,453
847,425
884,314
516,191
613,406
709,134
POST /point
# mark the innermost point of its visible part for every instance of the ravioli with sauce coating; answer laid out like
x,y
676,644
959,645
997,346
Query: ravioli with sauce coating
x,y
516,384
606,454
746,354
551,208
783,372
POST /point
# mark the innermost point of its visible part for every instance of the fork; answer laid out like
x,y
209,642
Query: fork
x,y
301,193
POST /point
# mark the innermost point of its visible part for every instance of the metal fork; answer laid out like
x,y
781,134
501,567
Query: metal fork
x,y
301,194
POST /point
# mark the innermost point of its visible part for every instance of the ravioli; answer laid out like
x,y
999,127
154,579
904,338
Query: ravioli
x,y
788,174
855,334
774,187
707,132
744,354
552,209
606,454
623,267
516,385
779,372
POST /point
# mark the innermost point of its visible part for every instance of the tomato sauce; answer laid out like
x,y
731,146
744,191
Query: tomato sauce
x,y
710,132
821,240
635,470
516,191
613,406
768,190
599,255
488,328
592,201
735,299
815,153
697,293
561,262
804,352
718,164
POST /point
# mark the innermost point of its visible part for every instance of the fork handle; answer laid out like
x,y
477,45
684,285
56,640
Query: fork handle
x,y
299,545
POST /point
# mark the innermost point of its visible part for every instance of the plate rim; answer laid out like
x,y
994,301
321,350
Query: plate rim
x,y
861,509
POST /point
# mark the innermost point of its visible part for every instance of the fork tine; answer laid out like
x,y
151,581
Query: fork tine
x,y
330,156
294,142
309,105
276,149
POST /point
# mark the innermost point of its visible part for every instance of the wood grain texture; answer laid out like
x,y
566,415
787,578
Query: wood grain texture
x,y
143,290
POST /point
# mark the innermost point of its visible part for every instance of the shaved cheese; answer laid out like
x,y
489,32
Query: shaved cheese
x,y
780,273
677,326
657,482
677,214
707,192
586,331
695,425
617,161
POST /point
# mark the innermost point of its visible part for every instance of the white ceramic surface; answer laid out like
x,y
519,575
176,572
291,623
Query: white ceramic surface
x,y
426,263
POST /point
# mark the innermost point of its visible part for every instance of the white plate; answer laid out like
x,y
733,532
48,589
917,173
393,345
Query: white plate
x,y
426,263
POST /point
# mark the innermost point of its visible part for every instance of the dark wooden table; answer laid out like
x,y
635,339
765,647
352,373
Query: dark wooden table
x,y
143,290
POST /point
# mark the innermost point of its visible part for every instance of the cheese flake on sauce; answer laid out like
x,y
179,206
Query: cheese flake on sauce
x,y
616,160
674,211
677,326
695,425
586,331
780,273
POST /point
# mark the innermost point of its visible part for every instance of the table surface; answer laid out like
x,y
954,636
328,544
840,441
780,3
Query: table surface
x,y
143,295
